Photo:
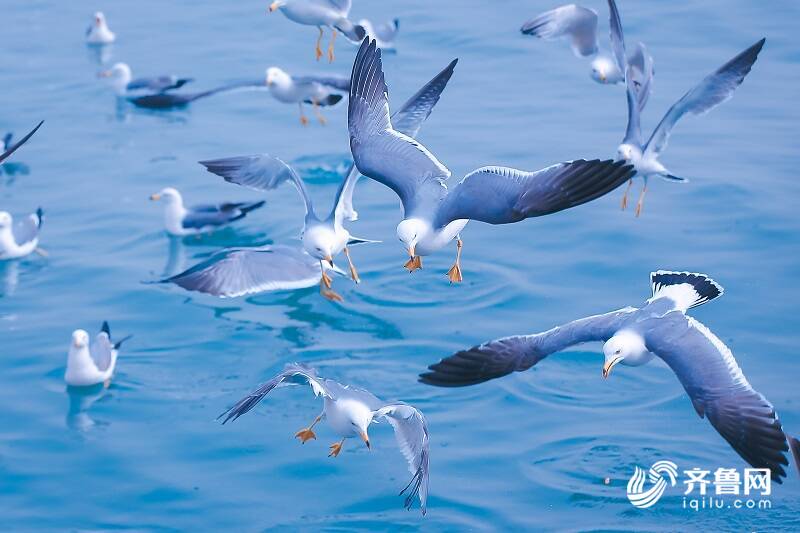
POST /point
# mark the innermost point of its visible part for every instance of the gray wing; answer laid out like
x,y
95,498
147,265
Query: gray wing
x,y
709,93
259,172
27,229
293,374
642,73
239,271
633,133
12,149
501,195
573,22
339,5
101,351
501,357
407,120
340,83
616,36
719,391
381,153
210,218
411,433
158,84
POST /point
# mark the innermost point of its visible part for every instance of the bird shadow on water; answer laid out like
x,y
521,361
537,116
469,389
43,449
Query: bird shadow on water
x,y
81,400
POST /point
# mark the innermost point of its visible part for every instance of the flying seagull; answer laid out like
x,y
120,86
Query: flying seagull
x,y
99,33
8,150
433,214
660,328
93,364
318,91
385,33
709,93
180,220
321,13
578,25
20,239
349,411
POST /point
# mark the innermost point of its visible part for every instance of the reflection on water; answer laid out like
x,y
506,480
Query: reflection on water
x,y
81,400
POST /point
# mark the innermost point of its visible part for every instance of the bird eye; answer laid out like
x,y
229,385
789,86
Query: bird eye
x,y
619,351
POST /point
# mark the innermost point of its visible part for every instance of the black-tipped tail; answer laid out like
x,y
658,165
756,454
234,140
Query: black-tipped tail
x,y
40,217
698,288
354,32
331,99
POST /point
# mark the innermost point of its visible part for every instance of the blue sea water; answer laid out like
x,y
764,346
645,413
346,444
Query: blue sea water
x,y
550,449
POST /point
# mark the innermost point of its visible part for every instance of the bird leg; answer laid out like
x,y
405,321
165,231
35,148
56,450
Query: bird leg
x,y
353,272
414,263
330,47
326,279
318,113
625,196
640,203
454,274
303,119
336,448
318,49
325,288
307,433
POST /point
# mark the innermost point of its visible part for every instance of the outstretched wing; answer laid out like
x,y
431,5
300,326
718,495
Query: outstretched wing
x,y
573,22
411,432
12,149
240,271
642,73
501,195
380,152
407,120
260,172
719,391
293,374
709,93
501,357
616,36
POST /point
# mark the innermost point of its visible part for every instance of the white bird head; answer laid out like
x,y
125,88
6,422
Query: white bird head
x,y
319,241
5,220
410,231
119,75
628,152
80,339
277,4
624,347
360,417
602,69
169,195
99,19
277,76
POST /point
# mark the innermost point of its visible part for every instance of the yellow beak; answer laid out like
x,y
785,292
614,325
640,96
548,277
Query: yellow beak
x,y
155,196
603,78
609,365
365,438
329,259
273,6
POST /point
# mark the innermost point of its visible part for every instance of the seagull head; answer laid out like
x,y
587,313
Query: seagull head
x,y
360,418
624,347
168,194
628,152
80,339
99,19
276,76
277,4
410,231
5,220
119,75
602,68
318,242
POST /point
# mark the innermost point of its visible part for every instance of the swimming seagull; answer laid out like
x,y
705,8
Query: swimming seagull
x,y
93,364
124,84
20,239
8,150
433,214
660,328
349,411
579,25
321,13
98,32
385,34
180,220
709,93
319,91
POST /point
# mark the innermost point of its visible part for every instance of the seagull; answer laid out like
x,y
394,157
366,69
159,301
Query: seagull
x,y
321,13
98,32
385,34
89,365
349,411
8,150
181,221
579,25
240,271
709,93
433,214
633,336
319,91
20,239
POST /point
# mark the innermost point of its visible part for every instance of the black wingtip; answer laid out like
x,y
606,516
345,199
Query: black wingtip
x,y
5,155
105,328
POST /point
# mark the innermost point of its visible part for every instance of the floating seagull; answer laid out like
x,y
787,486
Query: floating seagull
x,y
122,81
20,239
579,25
98,32
349,411
319,91
91,365
433,214
709,93
8,150
320,13
239,271
385,34
703,364
180,220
